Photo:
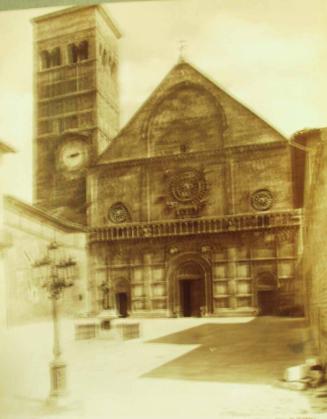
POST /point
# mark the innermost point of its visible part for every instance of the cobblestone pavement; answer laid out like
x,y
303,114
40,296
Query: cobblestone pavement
x,y
178,368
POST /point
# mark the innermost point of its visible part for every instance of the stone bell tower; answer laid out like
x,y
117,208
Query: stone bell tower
x,y
76,108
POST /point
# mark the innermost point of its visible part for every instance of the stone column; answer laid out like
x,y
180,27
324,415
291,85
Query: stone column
x,y
170,309
147,259
112,295
231,275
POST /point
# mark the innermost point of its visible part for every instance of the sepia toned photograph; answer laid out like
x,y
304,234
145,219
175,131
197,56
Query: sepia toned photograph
x,y
163,210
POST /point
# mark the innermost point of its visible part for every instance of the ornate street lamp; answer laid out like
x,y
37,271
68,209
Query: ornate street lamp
x,y
55,272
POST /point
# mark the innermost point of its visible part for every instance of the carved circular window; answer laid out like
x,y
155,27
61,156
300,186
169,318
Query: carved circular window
x,y
262,200
188,185
118,213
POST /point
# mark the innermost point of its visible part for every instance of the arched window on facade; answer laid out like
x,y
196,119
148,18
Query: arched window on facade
x,y
72,53
45,60
78,52
83,50
55,57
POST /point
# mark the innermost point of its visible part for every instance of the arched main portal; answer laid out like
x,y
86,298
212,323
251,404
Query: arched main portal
x,y
190,286
190,277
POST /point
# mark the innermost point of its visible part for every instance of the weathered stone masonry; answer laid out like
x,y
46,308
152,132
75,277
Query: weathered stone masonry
x,y
195,188
191,208
313,176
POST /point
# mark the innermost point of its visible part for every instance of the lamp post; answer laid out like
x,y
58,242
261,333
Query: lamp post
x,y
56,272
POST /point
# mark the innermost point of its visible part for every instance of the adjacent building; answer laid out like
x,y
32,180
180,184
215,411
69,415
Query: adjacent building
x,y
311,158
31,230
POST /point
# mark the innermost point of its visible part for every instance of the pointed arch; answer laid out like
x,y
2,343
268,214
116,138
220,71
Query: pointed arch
x,y
201,268
187,117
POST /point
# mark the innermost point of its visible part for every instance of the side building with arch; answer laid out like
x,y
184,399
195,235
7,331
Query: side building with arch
x,y
193,209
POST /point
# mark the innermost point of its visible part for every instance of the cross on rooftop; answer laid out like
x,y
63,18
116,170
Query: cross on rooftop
x,y
182,49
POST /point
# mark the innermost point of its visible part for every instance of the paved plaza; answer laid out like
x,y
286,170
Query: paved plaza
x,y
178,368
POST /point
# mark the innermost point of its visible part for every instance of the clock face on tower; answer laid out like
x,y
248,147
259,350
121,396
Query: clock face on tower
x,y
73,155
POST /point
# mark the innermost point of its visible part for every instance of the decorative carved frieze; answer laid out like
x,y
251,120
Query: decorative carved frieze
x,y
220,154
225,224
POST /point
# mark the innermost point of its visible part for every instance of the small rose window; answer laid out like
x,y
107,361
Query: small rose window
x,y
118,213
262,200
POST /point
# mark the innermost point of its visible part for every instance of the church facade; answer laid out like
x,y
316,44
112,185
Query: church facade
x,y
191,209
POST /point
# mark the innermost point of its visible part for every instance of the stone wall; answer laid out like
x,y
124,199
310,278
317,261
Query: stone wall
x,y
226,185
194,160
219,116
315,228
234,265
190,134
31,232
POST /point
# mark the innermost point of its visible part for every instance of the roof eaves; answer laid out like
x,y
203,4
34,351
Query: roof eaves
x,y
9,199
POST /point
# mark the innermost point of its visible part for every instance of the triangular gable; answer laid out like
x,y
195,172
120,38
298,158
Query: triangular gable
x,y
238,124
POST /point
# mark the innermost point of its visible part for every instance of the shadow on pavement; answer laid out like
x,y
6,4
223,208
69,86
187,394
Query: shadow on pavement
x,y
246,353
255,353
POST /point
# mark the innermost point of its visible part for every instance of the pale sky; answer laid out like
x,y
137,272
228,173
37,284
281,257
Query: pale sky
x,y
269,54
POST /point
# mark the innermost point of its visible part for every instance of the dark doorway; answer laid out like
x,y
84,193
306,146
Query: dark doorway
x,y
122,303
191,297
267,302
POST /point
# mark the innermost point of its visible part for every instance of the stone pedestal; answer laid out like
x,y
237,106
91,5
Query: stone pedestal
x,y
86,328
58,396
108,314
128,330
105,319
58,378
